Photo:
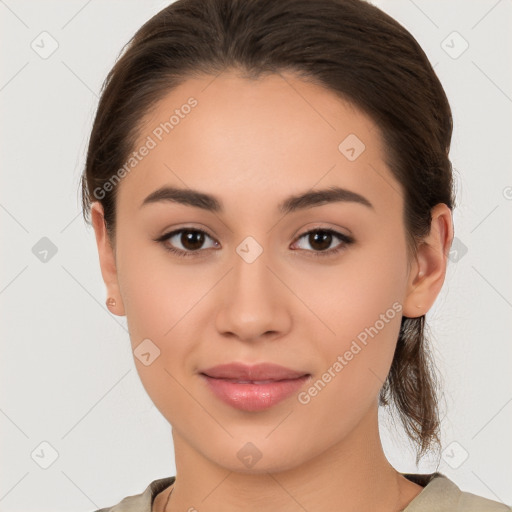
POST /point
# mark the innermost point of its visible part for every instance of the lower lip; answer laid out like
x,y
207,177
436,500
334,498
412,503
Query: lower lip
x,y
253,397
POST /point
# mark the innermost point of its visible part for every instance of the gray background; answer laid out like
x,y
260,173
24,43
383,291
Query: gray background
x,y
77,428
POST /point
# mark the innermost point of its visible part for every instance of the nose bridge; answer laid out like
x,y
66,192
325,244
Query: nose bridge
x,y
253,306
250,274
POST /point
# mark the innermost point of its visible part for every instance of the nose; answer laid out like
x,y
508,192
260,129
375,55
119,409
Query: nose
x,y
254,302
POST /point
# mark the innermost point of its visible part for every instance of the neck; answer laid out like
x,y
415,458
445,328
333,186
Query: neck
x,y
350,476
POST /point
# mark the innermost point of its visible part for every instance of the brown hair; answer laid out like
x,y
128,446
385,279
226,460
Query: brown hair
x,y
348,46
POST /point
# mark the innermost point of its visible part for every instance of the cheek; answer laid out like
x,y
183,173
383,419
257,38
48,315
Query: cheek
x,y
160,300
361,303
355,360
157,291
367,285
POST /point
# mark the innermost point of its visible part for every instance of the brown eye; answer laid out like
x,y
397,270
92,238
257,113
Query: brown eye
x,y
320,241
190,240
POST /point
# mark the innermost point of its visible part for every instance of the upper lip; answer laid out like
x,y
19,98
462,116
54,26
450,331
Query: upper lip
x,y
260,371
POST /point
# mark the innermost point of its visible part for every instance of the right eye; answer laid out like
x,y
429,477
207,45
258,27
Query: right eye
x,y
191,240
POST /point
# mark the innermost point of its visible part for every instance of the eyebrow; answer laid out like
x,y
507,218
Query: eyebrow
x,y
309,199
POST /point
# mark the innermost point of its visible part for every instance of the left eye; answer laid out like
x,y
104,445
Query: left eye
x,y
321,240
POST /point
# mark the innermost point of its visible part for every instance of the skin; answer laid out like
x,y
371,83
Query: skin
x,y
253,143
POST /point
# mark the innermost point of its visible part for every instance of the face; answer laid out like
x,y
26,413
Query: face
x,y
317,287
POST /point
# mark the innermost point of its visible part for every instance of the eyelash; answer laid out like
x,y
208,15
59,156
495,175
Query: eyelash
x,y
346,240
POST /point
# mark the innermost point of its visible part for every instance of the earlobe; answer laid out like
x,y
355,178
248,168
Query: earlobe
x,y
107,259
429,268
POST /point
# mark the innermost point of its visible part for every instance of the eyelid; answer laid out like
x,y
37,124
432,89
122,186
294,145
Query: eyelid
x,y
333,231
175,231
325,226
192,226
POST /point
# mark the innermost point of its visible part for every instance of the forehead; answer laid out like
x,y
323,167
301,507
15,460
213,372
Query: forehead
x,y
273,136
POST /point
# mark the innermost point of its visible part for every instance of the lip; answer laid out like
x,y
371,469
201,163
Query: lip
x,y
260,371
253,387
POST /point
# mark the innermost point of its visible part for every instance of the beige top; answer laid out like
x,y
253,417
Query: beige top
x,y
439,494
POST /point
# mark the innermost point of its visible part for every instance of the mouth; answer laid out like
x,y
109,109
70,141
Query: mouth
x,y
257,372
253,388
247,381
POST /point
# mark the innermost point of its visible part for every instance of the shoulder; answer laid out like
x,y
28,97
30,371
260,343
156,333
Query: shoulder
x,y
473,503
141,502
441,494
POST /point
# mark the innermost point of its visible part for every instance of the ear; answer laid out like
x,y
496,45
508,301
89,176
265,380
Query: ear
x,y
107,257
428,271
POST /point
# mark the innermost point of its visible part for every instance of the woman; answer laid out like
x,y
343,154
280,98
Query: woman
x,y
271,193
